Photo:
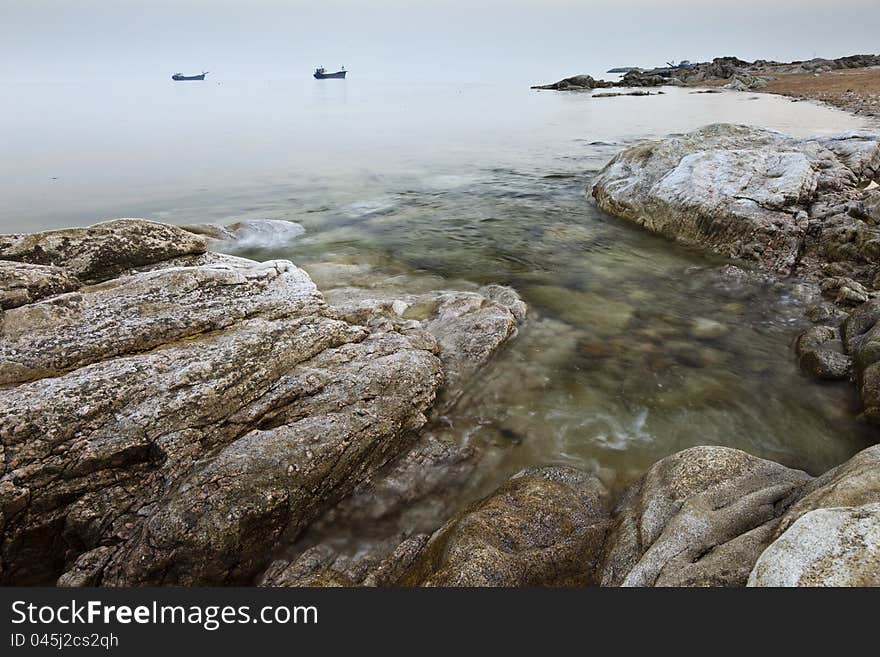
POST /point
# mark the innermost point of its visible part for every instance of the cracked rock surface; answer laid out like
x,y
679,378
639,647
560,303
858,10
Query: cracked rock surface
x,y
700,517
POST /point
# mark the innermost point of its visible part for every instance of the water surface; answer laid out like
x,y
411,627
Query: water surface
x,y
634,348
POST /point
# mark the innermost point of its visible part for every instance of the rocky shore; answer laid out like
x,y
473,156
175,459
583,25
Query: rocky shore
x,y
851,83
176,416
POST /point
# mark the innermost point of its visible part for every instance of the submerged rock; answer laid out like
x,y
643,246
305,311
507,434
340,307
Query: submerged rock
x,y
544,527
700,517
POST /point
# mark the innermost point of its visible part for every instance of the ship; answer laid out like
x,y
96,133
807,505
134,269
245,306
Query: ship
x,y
179,77
322,74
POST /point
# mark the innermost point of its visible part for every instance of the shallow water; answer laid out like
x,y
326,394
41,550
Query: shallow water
x,y
633,348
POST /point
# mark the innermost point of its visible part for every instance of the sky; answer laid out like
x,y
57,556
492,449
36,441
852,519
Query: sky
x,y
451,40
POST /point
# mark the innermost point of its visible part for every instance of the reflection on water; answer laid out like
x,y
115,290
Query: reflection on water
x,y
634,348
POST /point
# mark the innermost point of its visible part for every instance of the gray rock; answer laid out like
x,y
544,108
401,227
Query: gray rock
x,y
102,251
820,354
323,566
826,547
544,527
738,191
700,517
142,311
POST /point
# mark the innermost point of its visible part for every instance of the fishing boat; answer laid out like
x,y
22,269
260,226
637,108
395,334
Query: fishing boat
x,y
322,74
179,77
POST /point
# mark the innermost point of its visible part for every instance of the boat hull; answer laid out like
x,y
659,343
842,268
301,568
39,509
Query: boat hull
x,y
187,78
339,75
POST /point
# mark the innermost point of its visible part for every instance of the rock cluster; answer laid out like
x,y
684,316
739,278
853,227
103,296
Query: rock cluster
x,y
171,415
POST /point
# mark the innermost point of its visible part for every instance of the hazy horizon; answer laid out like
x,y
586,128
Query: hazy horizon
x,y
515,40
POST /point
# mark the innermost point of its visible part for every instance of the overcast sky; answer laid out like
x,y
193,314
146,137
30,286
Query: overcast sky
x,y
468,40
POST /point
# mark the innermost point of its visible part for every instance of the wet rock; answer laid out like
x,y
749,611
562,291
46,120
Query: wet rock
x,y
391,515
820,354
824,312
827,547
545,527
861,338
700,517
740,192
212,231
102,251
21,283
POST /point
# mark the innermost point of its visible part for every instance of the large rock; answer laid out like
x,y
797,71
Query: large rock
x,y
839,546
700,517
544,527
104,250
746,193
172,424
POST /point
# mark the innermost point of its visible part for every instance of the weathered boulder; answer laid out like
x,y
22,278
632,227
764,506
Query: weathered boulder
x,y
744,192
853,483
838,546
544,527
700,517
139,312
173,423
820,354
102,251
